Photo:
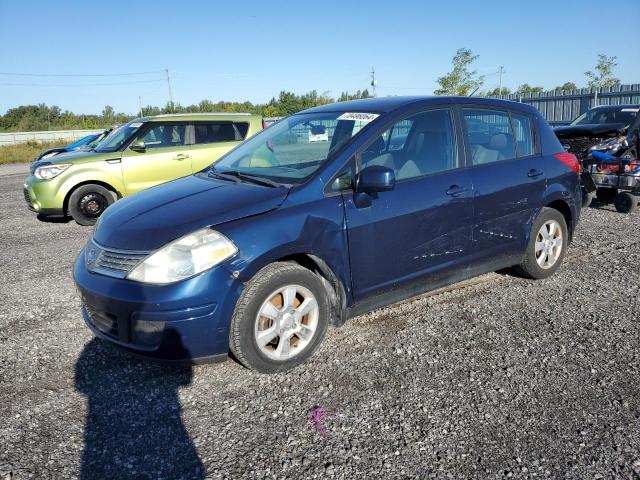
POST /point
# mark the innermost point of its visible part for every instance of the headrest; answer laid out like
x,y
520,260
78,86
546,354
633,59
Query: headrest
x,y
498,141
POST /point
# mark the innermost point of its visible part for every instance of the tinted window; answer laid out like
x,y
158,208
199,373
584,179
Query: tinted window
x,y
215,132
243,128
422,144
523,130
163,136
489,134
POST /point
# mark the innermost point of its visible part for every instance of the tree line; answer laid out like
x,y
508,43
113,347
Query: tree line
x,y
42,117
463,80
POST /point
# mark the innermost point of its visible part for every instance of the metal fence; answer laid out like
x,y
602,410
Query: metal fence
x,y
12,138
560,107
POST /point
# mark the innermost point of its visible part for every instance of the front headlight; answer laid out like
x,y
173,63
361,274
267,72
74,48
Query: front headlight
x,y
48,172
184,258
49,155
610,145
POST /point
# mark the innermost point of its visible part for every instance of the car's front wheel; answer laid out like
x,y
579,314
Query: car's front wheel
x,y
547,245
88,202
280,318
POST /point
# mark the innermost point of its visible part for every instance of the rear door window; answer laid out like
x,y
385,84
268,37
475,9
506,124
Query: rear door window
x,y
489,135
243,128
216,132
523,131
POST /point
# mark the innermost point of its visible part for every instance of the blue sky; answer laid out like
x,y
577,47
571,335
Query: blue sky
x,y
250,50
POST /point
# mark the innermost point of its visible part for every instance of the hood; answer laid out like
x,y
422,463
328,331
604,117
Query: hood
x,y
152,218
75,157
596,130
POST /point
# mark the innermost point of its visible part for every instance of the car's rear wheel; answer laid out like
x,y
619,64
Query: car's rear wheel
x,y
547,245
88,202
606,195
626,202
280,318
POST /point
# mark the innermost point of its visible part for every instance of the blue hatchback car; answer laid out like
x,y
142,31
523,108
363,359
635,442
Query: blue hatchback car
x,y
327,214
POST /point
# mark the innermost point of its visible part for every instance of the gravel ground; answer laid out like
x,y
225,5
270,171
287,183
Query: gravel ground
x,y
500,377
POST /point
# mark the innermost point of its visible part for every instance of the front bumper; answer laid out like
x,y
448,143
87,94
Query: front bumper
x,y
43,196
184,321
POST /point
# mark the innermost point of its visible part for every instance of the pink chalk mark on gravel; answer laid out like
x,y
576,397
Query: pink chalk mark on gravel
x,y
318,414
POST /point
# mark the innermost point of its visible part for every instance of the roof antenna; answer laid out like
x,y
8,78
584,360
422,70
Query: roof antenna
x,y
477,88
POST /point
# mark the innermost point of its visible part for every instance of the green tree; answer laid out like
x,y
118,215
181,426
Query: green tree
x,y
567,87
603,75
497,91
526,89
461,80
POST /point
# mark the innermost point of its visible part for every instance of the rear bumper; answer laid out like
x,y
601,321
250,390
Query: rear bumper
x,y
186,321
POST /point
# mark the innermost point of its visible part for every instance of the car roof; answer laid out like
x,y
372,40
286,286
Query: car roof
x,y
228,116
389,104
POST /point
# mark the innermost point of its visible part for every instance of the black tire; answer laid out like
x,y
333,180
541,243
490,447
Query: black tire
x,y
587,198
88,202
606,195
530,268
626,202
258,290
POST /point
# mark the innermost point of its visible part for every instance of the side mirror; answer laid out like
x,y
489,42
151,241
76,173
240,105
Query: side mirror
x,y
138,146
376,178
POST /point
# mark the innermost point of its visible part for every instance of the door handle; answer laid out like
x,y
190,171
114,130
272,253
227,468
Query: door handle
x,y
455,190
181,156
534,173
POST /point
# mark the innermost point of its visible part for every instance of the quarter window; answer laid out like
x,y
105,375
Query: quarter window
x,y
163,136
490,135
422,144
523,130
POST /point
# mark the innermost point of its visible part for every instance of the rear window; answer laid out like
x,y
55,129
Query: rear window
x,y
490,135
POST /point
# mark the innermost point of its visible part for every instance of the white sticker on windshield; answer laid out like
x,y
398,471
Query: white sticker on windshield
x,y
631,109
364,117
135,125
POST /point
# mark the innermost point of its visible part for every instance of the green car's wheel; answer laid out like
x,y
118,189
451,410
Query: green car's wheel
x,y
88,202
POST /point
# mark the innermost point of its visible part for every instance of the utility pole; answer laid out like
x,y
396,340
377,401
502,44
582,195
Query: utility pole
x,y
374,82
140,102
169,87
500,71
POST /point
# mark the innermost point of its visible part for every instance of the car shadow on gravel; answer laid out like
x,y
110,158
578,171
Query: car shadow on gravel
x,y
133,425
52,219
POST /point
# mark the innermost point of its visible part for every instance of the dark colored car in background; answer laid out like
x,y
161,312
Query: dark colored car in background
x,y
285,235
607,128
85,143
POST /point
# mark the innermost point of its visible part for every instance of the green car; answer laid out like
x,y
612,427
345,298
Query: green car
x,y
140,154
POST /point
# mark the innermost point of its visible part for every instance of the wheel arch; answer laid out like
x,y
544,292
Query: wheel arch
x,y
564,208
65,205
335,289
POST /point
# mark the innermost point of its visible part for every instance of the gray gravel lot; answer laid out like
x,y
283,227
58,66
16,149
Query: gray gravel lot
x,y
501,377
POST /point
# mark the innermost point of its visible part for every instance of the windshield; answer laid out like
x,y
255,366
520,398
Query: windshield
x,y
118,137
292,149
82,141
605,116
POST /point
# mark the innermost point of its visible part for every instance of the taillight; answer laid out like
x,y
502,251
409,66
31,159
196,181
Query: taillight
x,y
264,124
570,160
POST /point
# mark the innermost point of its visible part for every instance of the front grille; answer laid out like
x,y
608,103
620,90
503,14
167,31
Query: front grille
x,y
106,323
110,262
579,146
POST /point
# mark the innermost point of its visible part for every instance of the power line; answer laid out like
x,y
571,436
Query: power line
x,y
15,74
79,84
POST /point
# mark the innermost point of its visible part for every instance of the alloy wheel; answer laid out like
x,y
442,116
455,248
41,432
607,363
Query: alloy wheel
x,y
549,244
286,322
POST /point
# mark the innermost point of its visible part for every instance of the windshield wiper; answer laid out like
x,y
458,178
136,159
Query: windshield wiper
x,y
250,178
